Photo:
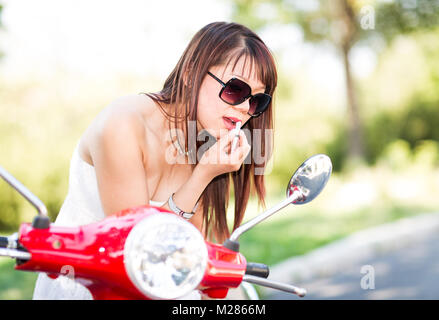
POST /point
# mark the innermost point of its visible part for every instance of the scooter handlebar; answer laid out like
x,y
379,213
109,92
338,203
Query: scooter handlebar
x,y
301,292
257,269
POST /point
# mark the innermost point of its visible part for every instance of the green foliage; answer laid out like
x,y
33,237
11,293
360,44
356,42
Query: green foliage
x,y
322,19
337,148
418,122
244,13
397,155
10,208
416,127
55,191
15,285
426,154
402,16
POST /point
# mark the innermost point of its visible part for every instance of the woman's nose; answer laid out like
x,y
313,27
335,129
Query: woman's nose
x,y
243,107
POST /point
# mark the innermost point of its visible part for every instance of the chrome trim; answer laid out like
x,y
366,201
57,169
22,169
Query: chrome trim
x,y
17,185
250,224
250,291
13,253
13,241
301,292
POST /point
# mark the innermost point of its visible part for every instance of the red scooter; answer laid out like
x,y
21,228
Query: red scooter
x,y
148,252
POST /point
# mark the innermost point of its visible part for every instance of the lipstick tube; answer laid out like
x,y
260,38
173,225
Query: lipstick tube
x,y
236,138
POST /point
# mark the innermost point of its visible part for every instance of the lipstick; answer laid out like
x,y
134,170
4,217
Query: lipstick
x,y
236,138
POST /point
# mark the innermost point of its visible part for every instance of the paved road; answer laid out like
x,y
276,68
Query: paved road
x,y
411,272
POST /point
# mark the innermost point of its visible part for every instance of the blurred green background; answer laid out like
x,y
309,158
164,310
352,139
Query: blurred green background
x,y
358,80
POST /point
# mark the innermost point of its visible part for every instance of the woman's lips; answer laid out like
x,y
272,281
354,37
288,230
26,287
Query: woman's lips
x,y
229,124
233,119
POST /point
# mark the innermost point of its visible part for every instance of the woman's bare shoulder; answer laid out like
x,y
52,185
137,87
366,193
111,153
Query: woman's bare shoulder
x,y
129,107
133,110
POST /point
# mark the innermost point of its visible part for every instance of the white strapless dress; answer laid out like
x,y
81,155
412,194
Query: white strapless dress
x,y
81,206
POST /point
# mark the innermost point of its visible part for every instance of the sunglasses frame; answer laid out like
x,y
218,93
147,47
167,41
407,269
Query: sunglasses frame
x,y
224,84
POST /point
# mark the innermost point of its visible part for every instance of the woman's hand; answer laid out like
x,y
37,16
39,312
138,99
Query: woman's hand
x,y
218,159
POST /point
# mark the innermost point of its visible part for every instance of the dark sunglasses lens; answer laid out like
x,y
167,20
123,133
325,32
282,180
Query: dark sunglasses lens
x,y
235,91
259,103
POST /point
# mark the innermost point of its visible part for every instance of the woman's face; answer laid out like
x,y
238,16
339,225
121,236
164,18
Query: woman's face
x,y
212,110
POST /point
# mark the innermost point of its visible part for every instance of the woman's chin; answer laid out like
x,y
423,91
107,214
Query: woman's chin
x,y
213,128
216,133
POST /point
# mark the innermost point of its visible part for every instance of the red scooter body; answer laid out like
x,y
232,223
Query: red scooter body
x,y
96,254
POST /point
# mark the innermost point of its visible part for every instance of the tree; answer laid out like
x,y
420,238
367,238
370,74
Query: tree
x,y
343,23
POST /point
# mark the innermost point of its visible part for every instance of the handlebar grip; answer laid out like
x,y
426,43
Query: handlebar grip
x,y
4,241
257,269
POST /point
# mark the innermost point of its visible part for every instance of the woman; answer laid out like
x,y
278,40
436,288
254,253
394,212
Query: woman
x,y
148,146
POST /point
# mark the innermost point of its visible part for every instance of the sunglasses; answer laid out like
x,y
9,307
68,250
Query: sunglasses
x,y
236,91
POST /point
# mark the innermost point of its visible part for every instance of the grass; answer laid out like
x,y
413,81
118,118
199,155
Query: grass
x,y
15,285
290,235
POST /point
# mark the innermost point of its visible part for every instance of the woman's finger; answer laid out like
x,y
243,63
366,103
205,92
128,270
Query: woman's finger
x,y
226,139
240,153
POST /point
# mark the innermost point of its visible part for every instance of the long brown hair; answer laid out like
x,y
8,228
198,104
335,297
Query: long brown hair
x,y
216,44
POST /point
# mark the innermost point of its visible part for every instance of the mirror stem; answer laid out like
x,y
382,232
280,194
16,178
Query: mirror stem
x,y
17,185
250,224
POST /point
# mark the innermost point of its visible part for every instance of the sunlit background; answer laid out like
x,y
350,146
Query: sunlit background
x,y
358,80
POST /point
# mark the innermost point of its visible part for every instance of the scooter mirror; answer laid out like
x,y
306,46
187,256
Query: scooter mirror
x,y
305,184
310,178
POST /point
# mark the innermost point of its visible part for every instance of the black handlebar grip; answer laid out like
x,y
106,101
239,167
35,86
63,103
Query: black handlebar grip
x,y
41,222
257,269
4,242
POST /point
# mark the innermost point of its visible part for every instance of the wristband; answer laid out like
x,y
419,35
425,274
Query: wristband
x,y
177,210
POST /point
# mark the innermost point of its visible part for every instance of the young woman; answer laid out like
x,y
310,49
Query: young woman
x,y
148,148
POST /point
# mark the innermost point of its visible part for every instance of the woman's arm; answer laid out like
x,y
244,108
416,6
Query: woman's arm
x,y
216,160
118,162
188,194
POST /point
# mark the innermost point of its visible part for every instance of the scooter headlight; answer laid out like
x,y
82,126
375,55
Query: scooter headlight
x,y
165,256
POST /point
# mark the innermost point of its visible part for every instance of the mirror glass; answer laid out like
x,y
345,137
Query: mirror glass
x,y
310,178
